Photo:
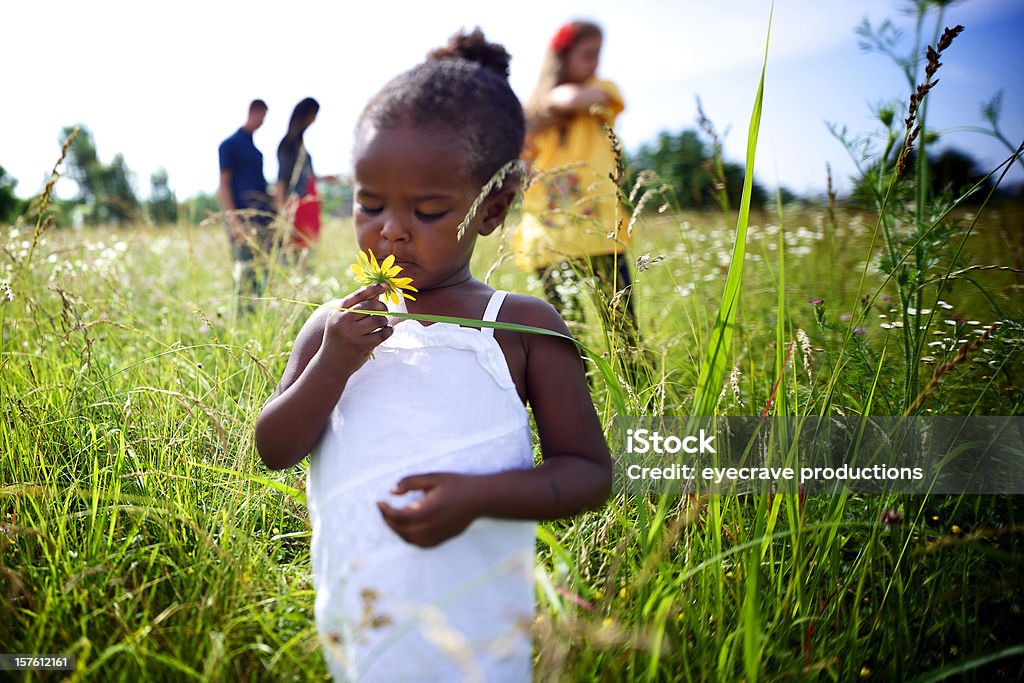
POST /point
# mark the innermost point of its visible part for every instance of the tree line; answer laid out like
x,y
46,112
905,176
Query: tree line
x,y
688,164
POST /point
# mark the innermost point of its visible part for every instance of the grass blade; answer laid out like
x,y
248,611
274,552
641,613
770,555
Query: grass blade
x,y
713,369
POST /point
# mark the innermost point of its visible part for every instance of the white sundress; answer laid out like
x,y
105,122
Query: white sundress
x,y
435,398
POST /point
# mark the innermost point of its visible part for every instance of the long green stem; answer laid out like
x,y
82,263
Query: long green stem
x,y
715,363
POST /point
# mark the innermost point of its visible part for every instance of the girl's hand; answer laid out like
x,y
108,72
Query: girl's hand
x,y
570,98
350,337
446,509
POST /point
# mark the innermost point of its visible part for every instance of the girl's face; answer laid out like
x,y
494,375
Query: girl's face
x,y
581,60
411,193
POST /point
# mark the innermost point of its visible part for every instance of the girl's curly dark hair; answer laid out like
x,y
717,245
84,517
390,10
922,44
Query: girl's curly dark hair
x,y
462,87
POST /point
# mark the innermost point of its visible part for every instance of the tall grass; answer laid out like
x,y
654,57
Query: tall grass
x,y
139,531
129,390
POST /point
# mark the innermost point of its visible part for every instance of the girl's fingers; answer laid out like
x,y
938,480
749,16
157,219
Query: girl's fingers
x,y
367,293
415,482
371,305
367,322
355,324
397,518
362,323
383,333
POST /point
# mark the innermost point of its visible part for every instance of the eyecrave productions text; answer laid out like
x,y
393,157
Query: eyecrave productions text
x,y
720,475
680,454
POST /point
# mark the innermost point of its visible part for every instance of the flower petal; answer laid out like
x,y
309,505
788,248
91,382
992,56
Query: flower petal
x,y
368,271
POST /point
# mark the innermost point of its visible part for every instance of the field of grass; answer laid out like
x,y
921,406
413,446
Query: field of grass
x,y
140,531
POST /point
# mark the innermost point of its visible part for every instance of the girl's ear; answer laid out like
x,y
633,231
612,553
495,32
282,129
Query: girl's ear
x,y
496,207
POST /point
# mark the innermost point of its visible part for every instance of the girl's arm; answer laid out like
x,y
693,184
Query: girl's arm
x,y
576,474
330,347
570,98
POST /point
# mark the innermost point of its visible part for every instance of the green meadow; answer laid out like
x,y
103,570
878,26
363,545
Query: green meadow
x,y
140,531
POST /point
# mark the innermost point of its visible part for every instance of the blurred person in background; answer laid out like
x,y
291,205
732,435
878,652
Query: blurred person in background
x,y
569,226
295,190
249,209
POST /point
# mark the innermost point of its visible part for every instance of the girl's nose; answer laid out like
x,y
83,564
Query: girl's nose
x,y
394,229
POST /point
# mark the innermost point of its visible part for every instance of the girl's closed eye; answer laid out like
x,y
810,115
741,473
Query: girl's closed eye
x,y
431,215
369,210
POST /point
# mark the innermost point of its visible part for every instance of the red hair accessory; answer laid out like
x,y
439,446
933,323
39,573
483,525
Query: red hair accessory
x,y
564,39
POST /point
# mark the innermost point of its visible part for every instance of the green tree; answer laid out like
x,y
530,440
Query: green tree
x,y
687,163
10,206
83,166
336,198
200,207
105,192
951,172
957,172
162,204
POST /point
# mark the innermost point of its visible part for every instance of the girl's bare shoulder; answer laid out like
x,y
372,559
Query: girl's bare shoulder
x,y
523,309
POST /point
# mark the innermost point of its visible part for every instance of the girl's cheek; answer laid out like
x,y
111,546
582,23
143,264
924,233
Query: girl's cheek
x,y
366,228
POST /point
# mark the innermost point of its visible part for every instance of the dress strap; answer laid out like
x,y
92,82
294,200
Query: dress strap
x,y
491,312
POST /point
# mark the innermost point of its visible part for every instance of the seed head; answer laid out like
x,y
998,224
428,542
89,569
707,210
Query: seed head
x,y
805,351
948,35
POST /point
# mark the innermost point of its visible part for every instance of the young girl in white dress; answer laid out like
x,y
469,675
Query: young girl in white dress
x,y
422,491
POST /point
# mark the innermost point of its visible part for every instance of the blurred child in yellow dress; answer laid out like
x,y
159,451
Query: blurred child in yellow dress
x,y
570,225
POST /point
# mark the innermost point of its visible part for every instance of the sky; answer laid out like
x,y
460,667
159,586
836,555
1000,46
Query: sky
x,y
163,83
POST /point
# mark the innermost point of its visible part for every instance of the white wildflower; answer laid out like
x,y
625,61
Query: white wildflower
x,y
805,351
734,384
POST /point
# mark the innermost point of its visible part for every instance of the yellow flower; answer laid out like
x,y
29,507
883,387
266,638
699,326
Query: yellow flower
x,y
369,272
